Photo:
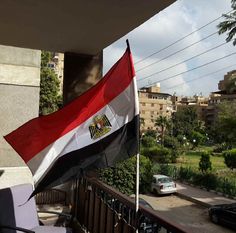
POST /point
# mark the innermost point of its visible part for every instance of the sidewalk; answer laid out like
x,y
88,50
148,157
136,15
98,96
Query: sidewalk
x,y
200,196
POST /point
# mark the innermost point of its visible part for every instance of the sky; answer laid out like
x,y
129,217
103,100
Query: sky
x,y
169,25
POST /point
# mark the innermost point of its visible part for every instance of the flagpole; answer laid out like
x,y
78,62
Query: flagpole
x,y
137,173
137,190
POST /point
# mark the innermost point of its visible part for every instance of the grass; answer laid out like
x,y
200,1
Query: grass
x,y
192,158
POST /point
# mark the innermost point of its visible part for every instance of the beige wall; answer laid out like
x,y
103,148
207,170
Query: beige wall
x,y
19,95
150,109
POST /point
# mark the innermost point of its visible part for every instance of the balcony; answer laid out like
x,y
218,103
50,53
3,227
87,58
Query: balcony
x,y
99,208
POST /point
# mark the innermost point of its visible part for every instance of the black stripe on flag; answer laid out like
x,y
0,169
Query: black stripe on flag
x,y
118,146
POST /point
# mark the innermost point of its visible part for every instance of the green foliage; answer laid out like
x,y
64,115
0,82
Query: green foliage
x,y
157,154
197,138
185,121
123,176
50,100
218,148
148,141
230,158
229,25
162,122
209,181
225,126
171,142
151,133
205,162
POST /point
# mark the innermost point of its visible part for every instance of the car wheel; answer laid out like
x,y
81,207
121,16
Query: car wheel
x,y
214,218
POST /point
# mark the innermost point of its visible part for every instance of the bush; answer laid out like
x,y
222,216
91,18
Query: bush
x,y
157,154
219,148
197,138
230,158
148,141
171,142
123,176
205,162
151,133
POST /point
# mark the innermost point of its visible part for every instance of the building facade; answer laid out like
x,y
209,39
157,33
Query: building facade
x,y
153,104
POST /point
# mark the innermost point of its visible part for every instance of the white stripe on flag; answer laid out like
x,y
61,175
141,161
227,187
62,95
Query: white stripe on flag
x,y
119,112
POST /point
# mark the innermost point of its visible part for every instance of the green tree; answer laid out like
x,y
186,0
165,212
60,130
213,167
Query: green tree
x,y
185,120
50,99
229,25
205,162
225,125
162,122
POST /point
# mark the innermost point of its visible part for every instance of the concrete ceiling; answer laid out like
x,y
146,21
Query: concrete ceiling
x,y
72,25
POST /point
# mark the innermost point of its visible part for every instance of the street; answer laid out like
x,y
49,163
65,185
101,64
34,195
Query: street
x,y
185,213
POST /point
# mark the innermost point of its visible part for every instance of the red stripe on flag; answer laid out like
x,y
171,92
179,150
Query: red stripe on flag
x,y
32,137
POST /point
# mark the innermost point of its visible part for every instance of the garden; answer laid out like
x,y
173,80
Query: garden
x,y
184,148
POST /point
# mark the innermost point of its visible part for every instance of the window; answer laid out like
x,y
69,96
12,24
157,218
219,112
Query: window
x,y
143,104
152,105
161,106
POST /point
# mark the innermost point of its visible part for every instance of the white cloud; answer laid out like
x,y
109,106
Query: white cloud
x,y
173,23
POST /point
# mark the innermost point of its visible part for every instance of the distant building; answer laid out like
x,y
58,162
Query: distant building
x,y
199,101
227,92
153,103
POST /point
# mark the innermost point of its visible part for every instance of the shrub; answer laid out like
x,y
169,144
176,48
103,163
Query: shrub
x,y
158,154
148,141
230,158
197,138
123,175
205,162
220,148
171,142
151,133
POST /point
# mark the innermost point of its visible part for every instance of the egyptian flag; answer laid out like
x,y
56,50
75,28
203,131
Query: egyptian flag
x,y
98,129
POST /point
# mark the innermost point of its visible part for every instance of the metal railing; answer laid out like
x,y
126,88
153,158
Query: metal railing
x,y
102,209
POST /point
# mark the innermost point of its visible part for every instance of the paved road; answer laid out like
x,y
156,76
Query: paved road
x,y
185,213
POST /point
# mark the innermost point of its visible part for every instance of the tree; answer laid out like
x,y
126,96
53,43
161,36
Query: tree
x,y
229,25
50,99
162,122
225,125
205,162
185,120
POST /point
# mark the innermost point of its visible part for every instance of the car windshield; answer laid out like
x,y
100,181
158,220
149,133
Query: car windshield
x,y
165,180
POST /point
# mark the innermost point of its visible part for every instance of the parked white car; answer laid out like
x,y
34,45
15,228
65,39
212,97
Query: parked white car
x,y
163,185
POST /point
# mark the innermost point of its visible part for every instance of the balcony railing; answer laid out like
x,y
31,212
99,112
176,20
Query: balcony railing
x,y
102,209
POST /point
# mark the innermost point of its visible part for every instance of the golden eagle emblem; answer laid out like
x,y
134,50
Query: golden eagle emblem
x,y
100,126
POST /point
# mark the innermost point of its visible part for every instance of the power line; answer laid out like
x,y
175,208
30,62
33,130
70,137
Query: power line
x,y
172,54
170,67
197,67
181,38
195,79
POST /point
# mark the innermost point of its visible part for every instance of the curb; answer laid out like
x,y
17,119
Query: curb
x,y
193,200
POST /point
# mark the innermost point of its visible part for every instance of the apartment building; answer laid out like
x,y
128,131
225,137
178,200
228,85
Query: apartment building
x,y
226,93
152,104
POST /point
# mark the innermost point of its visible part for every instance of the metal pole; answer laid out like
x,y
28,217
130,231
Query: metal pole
x,y
137,191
